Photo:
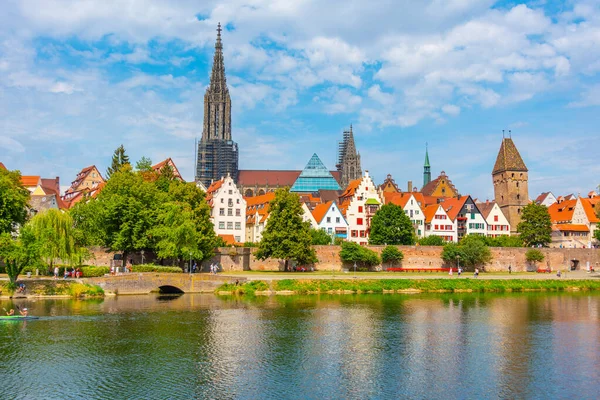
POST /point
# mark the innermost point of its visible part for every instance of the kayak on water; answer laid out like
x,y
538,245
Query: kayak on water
x,y
17,317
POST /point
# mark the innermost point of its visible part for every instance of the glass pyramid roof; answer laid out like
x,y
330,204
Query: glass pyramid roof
x,y
315,176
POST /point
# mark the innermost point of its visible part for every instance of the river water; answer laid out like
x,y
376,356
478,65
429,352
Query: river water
x,y
312,347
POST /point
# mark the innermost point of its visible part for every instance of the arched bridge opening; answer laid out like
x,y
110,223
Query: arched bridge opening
x,y
168,289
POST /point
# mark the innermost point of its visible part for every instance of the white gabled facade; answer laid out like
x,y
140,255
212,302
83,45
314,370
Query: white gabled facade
x,y
438,223
307,216
228,209
329,218
359,202
497,223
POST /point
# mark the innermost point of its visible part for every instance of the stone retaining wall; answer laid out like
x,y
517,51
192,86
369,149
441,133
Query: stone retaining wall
x,y
241,259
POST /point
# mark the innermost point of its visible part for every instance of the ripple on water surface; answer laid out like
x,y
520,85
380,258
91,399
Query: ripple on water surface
x,y
445,346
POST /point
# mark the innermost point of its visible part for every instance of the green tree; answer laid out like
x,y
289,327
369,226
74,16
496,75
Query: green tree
x,y
127,210
390,225
391,255
431,240
504,241
471,251
183,228
320,237
534,255
144,164
119,159
597,231
535,227
354,253
17,253
286,236
13,201
54,232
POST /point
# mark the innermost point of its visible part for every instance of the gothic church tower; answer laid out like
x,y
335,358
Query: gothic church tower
x,y
217,153
426,168
348,160
510,182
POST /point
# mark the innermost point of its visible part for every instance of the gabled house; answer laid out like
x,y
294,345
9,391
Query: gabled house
x,y
87,179
497,223
31,182
228,209
441,186
573,222
257,215
468,218
438,223
412,207
358,204
168,163
307,216
330,219
546,199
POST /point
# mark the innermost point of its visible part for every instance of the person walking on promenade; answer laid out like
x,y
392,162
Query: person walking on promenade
x,y
450,272
509,269
476,274
56,272
459,271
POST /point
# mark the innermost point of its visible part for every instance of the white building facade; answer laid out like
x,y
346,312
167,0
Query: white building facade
x,y
228,209
359,202
330,219
438,223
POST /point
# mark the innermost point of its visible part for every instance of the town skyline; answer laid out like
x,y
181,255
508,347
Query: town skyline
x,y
74,93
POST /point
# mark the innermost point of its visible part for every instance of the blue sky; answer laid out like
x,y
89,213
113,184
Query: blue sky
x,y
78,78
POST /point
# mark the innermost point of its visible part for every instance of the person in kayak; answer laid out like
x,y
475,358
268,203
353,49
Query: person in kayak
x,y
24,312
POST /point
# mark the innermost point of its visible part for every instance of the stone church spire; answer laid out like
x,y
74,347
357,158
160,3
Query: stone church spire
x,y
217,103
348,160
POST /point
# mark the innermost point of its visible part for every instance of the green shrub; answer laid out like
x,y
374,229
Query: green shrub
x,y
432,240
94,271
155,268
391,255
534,255
504,241
355,253
79,289
320,237
470,252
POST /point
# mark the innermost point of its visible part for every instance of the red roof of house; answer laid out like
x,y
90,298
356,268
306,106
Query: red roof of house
x,y
453,206
485,208
540,199
589,210
2,166
321,210
229,239
562,212
30,180
571,227
169,161
430,211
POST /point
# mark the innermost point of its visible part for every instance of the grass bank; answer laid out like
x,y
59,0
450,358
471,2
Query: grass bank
x,y
316,286
59,287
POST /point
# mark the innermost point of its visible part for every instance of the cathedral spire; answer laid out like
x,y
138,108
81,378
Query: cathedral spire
x,y
218,81
348,159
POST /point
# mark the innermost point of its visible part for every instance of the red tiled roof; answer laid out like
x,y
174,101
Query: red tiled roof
x,y
485,208
251,177
571,227
589,210
228,239
562,212
51,183
400,199
30,180
171,163
2,166
430,211
81,176
320,211
453,206
428,189
540,199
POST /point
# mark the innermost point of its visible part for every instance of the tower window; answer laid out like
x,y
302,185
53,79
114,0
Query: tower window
x,y
518,196
517,184
513,175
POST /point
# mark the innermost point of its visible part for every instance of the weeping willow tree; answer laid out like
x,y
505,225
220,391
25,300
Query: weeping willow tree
x,y
55,235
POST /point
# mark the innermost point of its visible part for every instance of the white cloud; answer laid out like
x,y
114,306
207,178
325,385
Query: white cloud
x,y
451,109
11,144
590,97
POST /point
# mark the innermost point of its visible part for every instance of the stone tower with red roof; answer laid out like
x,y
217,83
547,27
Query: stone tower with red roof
x,y
510,177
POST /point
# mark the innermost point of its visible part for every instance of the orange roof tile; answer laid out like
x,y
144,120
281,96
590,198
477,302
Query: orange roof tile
x,y
351,189
2,166
453,206
430,211
30,180
228,239
263,198
571,227
320,211
171,163
562,212
589,210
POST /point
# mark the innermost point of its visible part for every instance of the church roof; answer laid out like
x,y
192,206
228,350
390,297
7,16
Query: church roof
x,y
274,177
313,177
508,158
